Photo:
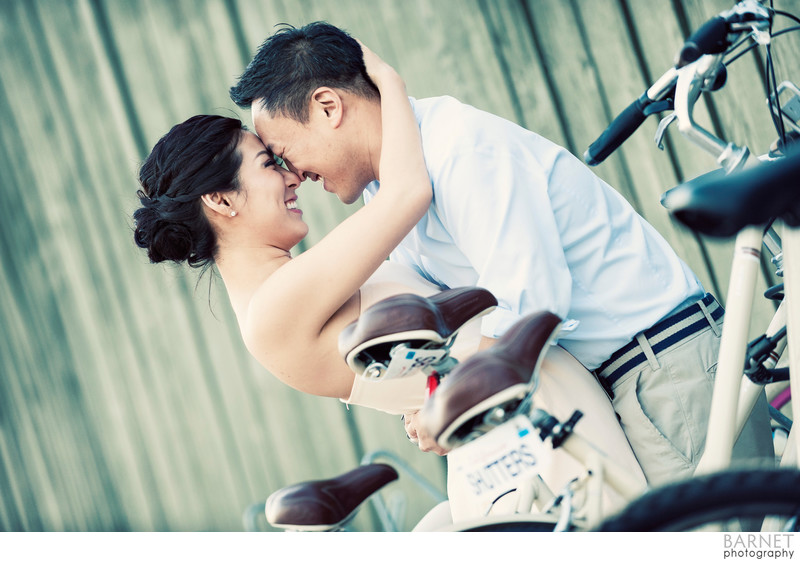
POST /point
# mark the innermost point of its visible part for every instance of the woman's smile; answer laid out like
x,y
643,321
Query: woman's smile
x,y
291,204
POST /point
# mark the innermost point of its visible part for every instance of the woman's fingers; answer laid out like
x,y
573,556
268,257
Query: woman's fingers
x,y
376,67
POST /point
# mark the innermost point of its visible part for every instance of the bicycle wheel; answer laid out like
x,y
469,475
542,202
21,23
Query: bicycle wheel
x,y
737,500
508,523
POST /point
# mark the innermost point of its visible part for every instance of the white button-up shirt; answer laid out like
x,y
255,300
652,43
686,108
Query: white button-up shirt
x,y
522,217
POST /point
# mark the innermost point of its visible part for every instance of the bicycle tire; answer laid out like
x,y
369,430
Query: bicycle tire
x,y
508,523
514,527
739,497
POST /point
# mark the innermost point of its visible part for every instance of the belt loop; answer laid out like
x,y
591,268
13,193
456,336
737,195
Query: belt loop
x,y
714,326
648,351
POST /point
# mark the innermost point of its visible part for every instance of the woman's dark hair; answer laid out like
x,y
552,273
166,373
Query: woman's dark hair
x,y
293,62
196,157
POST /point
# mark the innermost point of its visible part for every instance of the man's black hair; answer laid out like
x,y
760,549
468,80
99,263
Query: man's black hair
x,y
293,62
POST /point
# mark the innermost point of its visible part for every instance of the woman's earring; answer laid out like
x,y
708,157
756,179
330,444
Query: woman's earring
x,y
233,213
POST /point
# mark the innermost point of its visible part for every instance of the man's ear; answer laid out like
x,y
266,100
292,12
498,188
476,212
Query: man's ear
x,y
327,103
217,202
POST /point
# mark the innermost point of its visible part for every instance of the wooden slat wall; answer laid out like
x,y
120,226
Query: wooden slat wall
x,y
127,400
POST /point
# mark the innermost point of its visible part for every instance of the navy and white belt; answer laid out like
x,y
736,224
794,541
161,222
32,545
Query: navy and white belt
x,y
663,335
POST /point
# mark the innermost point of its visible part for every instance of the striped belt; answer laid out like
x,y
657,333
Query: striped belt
x,y
663,335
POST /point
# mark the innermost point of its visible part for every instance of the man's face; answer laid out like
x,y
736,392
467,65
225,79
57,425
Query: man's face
x,y
313,150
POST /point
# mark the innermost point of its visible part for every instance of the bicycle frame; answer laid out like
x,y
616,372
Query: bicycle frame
x,y
581,502
600,469
732,400
735,395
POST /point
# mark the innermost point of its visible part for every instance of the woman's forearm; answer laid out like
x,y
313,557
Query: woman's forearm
x,y
402,169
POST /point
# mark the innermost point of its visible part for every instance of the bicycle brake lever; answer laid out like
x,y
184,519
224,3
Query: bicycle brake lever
x,y
662,129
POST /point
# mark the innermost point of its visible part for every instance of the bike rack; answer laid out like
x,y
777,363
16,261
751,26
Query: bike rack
x,y
388,522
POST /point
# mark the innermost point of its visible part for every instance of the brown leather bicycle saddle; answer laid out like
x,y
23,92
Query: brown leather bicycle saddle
x,y
500,376
326,504
409,317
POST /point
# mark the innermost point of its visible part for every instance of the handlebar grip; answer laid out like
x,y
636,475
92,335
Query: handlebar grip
x,y
710,38
624,125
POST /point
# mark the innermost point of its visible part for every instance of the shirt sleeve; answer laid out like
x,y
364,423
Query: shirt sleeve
x,y
494,201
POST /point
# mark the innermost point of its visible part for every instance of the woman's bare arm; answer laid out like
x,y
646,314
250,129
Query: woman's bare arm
x,y
295,317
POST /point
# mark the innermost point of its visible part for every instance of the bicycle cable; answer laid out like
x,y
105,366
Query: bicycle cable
x,y
777,116
777,120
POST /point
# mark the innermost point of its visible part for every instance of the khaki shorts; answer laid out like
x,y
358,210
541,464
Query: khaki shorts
x,y
663,409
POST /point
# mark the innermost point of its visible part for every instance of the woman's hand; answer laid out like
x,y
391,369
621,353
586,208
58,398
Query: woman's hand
x,y
378,70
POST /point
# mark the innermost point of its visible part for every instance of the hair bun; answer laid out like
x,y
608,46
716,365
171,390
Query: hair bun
x,y
164,240
172,241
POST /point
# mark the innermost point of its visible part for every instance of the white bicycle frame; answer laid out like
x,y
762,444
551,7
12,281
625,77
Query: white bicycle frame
x,y
581,503
734,394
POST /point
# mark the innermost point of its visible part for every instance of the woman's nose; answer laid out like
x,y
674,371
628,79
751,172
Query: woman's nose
x,y
292,179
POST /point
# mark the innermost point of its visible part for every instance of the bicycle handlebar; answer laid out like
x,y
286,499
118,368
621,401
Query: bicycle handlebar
x,y
624,125
712,38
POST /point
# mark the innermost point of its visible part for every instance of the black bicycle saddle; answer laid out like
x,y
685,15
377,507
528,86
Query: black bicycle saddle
x,y
720,205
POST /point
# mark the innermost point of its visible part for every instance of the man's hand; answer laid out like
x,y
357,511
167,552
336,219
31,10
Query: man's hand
x,y
417,434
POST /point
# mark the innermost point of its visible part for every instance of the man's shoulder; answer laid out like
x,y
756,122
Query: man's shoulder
x,y
448,126
435,102
441,108
447,118
451,128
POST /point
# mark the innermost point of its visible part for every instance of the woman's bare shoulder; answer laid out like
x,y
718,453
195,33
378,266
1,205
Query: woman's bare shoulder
x,y
305,360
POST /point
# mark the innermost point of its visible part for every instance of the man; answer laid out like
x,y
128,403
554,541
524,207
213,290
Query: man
x,y
522,217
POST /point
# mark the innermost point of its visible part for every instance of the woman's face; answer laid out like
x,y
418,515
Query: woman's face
x,y
267,200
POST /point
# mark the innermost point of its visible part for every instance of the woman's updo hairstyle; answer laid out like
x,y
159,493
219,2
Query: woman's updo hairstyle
x,y
196,157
